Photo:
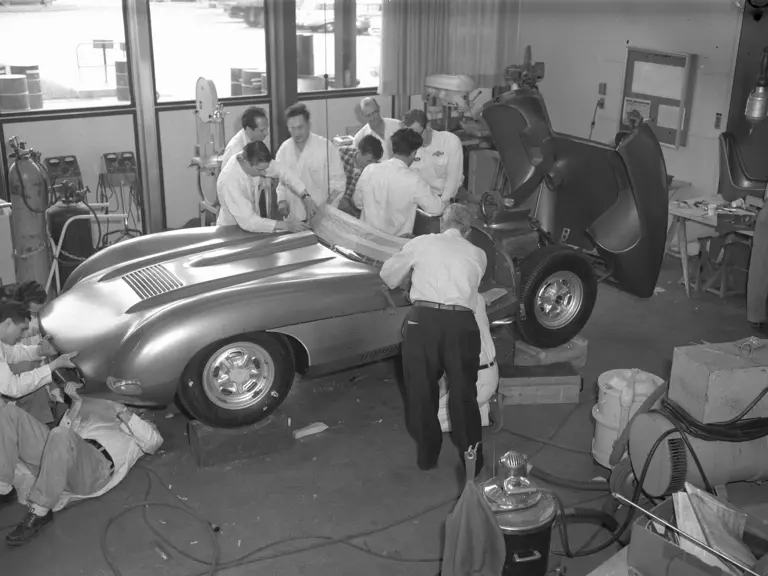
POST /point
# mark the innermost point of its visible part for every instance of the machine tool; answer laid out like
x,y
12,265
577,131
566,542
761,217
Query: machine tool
x,y
445,94
668,446
757,103
211,143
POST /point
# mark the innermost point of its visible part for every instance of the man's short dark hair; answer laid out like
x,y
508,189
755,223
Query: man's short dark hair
x,y
250,115
297,109
405,141
29,292
257,153
415,115
17,312
371,145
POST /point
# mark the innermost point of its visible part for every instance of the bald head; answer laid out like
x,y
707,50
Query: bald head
x,y
369,108
457,216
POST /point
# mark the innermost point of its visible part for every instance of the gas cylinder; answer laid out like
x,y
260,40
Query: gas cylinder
x,y
29,188
77,244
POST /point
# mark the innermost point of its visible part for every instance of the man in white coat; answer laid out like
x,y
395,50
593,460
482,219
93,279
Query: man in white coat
x,y
440,161
245,192
314,160
255,128
376,125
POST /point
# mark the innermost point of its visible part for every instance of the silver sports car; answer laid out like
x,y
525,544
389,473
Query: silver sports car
x,y
225,318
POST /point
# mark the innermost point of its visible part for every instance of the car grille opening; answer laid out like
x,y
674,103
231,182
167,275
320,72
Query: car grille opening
x,y
152,281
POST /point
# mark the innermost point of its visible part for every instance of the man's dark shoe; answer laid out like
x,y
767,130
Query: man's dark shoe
x,y
28,528
9,498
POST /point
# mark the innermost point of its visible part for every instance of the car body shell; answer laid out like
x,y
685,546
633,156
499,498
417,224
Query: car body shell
x,y
142,309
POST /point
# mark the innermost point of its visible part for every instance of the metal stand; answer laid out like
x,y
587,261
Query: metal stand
x,y
56,247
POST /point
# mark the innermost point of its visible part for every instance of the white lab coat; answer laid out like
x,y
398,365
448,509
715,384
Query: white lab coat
x,y
234,146
441,164
239,194
318,166
388,195
390,127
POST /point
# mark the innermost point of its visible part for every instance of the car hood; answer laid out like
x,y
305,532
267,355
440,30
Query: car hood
x,y
108,305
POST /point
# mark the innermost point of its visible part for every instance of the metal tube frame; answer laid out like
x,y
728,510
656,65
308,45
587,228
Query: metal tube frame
x,y
56,247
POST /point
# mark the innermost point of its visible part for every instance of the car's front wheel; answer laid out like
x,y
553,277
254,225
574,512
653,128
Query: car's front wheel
x,y
558,290
238,381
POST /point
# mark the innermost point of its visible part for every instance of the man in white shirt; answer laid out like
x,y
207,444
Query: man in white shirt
x,y
389,193
255,128
440,334
440,161
245,192
14,320
375,125
89,453
487,375
314,160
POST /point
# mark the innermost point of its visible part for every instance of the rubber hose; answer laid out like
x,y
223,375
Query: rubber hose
x,y
586,485
591,516
620,445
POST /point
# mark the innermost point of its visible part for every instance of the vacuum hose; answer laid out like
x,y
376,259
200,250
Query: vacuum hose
x,y
586,485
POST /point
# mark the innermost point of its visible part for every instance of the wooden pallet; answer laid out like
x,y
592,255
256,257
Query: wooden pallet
x,y
558,383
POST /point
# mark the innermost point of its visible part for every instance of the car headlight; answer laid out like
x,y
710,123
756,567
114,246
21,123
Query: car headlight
x,y
125,387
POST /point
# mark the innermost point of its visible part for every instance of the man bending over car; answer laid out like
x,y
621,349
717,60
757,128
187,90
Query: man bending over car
x,y
244,189
86,455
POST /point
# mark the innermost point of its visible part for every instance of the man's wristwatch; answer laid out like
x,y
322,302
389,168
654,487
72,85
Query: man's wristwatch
x,y
305,196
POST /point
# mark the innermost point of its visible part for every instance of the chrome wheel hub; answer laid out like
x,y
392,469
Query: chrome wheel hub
x,y
558,300
238,375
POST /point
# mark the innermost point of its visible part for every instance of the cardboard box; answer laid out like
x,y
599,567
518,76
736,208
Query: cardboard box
x,y
652,555
716,382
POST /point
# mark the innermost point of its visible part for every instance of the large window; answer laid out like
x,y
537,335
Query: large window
x,y
322,45
223,41
62,54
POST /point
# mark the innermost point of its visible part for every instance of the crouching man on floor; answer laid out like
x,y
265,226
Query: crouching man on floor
x,y
487,375
88,454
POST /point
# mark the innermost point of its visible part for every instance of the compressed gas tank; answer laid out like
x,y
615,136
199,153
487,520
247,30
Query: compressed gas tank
x,y
77,245
621,393
29,198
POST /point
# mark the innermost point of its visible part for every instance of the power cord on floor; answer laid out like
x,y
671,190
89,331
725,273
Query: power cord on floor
x,y
214,565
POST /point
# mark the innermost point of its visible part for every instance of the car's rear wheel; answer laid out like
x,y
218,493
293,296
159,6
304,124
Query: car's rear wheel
x,y
558,290
238,381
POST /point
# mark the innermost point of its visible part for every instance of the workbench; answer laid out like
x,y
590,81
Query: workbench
x,y
682,213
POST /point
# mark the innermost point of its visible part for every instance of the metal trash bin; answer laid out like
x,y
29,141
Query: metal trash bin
x,y
525,515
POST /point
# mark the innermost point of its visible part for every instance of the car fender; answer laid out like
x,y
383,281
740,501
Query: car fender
x,y
159,349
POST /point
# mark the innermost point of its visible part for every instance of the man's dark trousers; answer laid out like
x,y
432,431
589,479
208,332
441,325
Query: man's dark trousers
x,y
437,341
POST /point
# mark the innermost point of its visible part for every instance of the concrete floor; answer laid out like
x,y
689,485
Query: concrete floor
x,y
360,474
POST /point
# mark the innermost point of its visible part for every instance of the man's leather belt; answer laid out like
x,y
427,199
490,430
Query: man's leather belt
x,y
428,304
489,365
103,451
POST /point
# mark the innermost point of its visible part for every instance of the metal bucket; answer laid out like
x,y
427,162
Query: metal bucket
x,y
122,81
14,94
33,84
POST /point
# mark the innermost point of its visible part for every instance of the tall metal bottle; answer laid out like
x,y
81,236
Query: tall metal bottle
x,y
29,188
